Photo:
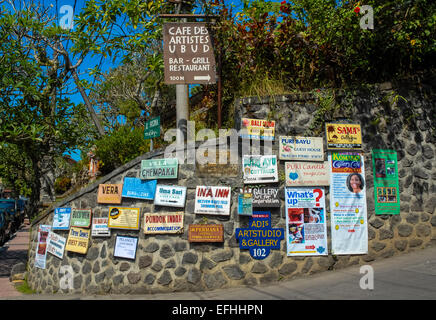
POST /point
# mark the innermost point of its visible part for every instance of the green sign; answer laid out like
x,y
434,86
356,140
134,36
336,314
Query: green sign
x,y
386,187
159,168
81,218
152,128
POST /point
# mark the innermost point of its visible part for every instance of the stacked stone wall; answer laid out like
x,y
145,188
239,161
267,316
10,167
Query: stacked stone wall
x,y
168,263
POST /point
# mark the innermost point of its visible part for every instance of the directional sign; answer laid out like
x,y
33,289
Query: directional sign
x,y
152,128
188,54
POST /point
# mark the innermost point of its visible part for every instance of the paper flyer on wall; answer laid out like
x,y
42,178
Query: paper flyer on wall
x,y
349,227
306,228
41,249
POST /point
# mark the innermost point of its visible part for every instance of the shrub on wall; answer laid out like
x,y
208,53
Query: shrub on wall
x,y
119,147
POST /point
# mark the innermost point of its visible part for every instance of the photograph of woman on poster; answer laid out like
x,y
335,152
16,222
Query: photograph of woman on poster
x,y
355,182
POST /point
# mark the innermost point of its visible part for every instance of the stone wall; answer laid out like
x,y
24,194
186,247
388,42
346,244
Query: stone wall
x,y
166,263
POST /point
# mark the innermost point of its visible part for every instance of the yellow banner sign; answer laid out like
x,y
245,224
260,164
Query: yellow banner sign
x,y
78,240
109,193
343,136
124,218
258,129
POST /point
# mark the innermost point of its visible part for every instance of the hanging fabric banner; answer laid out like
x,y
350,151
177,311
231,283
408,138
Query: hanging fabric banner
x,y
348,203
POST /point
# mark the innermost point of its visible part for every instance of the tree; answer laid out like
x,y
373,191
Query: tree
x,y
36,115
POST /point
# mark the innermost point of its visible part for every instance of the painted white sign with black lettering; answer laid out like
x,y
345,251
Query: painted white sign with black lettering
x,y
213,200
171,196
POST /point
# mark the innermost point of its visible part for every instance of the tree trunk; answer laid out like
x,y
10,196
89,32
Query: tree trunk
x,y
34,200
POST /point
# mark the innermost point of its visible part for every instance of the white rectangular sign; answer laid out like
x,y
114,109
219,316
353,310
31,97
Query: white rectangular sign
x,y
301,148
56,245
307,174
168,222
125,247
260,169
171,196
213,200
100,227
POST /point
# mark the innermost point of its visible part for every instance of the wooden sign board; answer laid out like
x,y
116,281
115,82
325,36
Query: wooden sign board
x,y
110,193
188,54
206,233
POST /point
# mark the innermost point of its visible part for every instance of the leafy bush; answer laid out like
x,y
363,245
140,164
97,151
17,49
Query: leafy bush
x,y
62,184
119,147
307,44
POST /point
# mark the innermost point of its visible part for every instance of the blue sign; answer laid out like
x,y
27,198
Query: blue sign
x,y
61,218
139,189
259,237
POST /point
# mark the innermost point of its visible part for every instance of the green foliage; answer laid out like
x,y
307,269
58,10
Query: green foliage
x,y
119,147
307,44
62,185
25,288
37,118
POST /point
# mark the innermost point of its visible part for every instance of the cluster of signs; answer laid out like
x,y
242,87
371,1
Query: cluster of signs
x,y
306,176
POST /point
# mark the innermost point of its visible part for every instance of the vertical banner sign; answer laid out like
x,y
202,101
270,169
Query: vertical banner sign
x,y
307,174
245,203
61,218
100,227
260,169
259,238
188,54
109,193
348,203
343,136
159,168
258,129
41,249
301,148
78,240
386,186
56,245
212,200
81,218
306,227
152,128
139,189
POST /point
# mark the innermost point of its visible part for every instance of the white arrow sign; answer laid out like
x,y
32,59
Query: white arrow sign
x,y
200,78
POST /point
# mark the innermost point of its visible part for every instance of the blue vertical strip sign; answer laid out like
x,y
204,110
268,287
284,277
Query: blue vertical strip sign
x,y
259,238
